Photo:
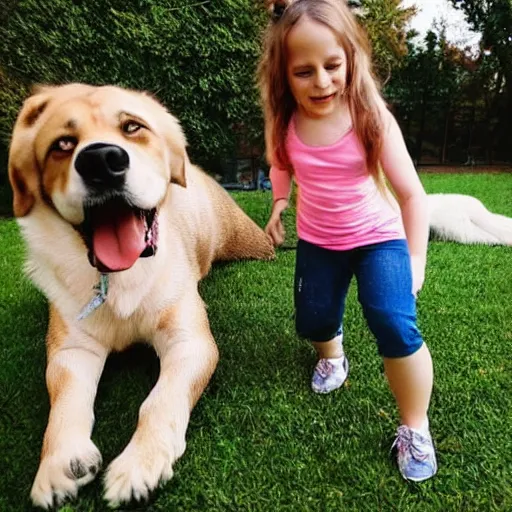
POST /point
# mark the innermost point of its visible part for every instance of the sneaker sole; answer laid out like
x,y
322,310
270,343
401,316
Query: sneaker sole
x,y
417,480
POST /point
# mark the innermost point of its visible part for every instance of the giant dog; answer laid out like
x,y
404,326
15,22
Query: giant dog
x,y
119,228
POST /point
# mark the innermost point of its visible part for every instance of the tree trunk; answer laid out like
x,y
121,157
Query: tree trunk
x,y
445,139
470,160
421,131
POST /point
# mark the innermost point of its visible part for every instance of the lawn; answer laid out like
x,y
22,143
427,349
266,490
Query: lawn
x,y
259,439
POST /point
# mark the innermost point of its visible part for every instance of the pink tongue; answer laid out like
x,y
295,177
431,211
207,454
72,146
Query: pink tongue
x,y
118,238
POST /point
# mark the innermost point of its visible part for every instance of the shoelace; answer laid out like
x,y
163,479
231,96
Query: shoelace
x,y
324,368
408,440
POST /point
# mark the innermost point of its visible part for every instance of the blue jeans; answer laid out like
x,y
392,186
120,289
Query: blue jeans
x,y
384,280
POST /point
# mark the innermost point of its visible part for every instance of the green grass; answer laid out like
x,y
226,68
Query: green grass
x,y
259,439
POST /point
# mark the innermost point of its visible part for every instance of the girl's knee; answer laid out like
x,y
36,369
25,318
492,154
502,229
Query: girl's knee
x,y
397,334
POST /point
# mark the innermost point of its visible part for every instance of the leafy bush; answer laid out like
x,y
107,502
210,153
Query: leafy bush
x,y
197,57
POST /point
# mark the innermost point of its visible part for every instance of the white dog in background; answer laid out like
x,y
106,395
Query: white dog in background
x,y
464,219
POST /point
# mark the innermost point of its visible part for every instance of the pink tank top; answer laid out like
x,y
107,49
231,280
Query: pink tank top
x,y
338,205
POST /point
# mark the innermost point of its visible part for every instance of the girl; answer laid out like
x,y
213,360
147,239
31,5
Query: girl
x,y
327,126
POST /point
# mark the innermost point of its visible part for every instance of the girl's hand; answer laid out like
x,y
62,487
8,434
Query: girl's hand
x,y
418,273
275,227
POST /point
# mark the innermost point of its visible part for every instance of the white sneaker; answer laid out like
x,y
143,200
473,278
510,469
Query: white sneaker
x,y
329,374
416,455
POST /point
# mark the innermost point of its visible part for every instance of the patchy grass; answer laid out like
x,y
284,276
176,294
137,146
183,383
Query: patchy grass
x,y
259,439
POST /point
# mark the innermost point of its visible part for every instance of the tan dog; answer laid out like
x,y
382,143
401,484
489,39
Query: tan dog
x,y
91,169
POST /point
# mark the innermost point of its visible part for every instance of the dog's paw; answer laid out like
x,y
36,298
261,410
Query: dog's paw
x,y
61,473
139,469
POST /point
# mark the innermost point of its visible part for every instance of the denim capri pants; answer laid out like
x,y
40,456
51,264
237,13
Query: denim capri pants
x,y
384,282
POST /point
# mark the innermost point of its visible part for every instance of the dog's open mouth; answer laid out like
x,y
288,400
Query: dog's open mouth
x,y
118,234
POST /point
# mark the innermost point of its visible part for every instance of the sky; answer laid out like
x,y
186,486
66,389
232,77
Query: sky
x,y
457,32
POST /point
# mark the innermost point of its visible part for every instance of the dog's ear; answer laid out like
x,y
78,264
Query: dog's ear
x,y
177,143
23,171
24,174
179,171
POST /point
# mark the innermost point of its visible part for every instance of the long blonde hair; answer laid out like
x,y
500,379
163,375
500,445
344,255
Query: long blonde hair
x,y
362,90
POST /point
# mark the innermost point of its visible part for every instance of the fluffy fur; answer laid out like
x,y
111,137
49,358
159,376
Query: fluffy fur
x,y
154,299
464,219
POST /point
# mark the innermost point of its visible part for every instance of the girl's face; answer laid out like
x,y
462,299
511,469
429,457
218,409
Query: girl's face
x,y
316,68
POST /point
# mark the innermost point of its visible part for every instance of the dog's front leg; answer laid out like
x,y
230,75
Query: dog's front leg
x,y
188,357
69,459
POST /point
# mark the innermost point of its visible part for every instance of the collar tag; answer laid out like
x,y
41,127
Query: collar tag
x,y
99,298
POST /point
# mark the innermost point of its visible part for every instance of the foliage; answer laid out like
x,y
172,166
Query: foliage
x,y
198,57
493,19
426,86
451,103
386,23
12,92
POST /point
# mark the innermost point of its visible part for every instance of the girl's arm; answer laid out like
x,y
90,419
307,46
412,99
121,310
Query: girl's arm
x,y
281,185
401,174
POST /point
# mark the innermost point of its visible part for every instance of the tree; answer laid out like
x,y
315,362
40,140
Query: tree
x,y
426,93
493,19
386,23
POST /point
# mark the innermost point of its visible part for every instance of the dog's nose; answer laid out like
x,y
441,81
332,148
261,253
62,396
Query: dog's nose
x,y
102,165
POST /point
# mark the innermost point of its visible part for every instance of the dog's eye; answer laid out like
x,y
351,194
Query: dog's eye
x,y
131,127
64,145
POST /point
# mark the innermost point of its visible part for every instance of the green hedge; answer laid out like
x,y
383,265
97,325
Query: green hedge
x,y
197,57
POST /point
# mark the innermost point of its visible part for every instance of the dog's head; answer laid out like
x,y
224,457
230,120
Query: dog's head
x,y
102,159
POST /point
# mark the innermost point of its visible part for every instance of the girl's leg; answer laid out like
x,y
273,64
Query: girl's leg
x,y
410,379
322,278
385,291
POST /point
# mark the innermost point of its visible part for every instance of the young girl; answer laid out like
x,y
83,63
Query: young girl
x,y
328,128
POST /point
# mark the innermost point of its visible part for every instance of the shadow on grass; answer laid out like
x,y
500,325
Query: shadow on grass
x,y
5,200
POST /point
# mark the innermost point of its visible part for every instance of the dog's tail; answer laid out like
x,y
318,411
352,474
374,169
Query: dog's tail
x,y
466,220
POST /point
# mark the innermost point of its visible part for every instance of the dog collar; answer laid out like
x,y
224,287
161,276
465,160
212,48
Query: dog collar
x,y
99,298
